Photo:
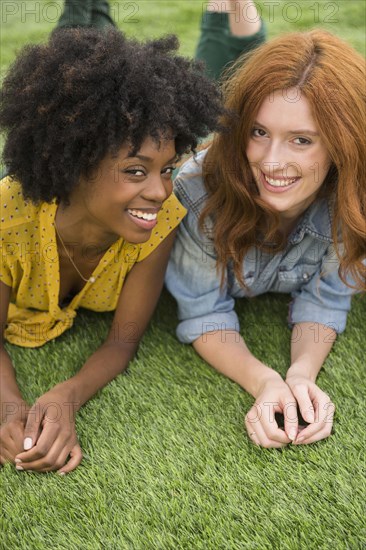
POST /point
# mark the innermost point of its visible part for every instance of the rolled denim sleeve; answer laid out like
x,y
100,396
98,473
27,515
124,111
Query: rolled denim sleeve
x,y
325,299
193,281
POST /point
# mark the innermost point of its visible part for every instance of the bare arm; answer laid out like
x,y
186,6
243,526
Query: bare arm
x,y
56,440
11,400
227,352
311,343
13,406
136,305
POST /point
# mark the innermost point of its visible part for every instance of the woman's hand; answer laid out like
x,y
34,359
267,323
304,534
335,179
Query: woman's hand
x,y
12,433
50,435
315,406
274,396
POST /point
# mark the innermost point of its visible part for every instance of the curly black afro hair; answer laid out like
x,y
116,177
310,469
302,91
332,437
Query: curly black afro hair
x,y
66,104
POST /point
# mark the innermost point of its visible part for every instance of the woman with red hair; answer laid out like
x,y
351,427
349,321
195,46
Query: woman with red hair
x,y
277,204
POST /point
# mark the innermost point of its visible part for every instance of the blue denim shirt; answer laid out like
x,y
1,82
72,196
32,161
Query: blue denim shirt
x,y
307,268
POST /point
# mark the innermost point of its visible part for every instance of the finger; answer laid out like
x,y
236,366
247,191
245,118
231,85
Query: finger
x,y
6,456
8,449
76,457
324,412
46,458
301,394
318,436
272,431
54,460
291,420
260,438
17,435
4,459
258,435
44,443
32,428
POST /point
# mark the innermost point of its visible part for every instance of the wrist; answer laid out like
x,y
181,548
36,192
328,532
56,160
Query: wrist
x,y
268,378
301,370
13,409
69,395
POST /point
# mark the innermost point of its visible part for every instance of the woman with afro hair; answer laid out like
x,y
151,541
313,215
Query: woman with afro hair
x,y
94,126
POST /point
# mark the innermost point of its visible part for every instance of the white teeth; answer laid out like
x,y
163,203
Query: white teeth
x,y
143,215
279,183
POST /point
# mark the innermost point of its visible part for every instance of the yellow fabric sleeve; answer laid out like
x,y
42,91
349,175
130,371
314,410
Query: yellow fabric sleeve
x,y
169,218
5,273
9,217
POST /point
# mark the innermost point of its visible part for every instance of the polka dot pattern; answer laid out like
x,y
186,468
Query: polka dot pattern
x,y
30,265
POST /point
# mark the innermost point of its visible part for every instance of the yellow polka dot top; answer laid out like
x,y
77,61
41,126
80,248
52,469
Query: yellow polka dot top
x,y
30,266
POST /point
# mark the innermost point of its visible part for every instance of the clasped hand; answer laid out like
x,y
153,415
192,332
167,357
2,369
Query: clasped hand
x,y
43,440
277,396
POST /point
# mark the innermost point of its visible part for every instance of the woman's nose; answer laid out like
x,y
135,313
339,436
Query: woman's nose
x,y
158,189
274,161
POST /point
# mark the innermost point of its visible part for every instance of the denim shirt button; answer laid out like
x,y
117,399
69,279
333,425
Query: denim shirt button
x,y
305,276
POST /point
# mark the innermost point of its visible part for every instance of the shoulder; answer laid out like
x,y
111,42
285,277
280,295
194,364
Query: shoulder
x,y
190,189
320,219
169,218
188,185
15,210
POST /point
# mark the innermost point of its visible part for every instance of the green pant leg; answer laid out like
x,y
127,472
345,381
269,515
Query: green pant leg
x,y
3,171
77,13
218,48
85,13
101,14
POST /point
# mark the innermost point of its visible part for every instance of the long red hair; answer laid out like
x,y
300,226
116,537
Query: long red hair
x,y
331,75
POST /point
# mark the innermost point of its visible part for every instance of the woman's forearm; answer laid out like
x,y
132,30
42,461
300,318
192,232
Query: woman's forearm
x,y
310,345
227,352
102,367
11,400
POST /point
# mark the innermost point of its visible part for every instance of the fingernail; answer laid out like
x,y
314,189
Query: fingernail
x,y
17,460
28,443
19,468
300,439
292,434
61,473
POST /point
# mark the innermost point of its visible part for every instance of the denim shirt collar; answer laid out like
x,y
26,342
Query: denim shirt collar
x,y
316,221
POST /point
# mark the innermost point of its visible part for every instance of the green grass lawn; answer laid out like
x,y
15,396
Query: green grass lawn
x,y
167,463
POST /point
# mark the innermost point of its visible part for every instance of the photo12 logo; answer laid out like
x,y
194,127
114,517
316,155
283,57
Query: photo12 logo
x,y
50,12
271,12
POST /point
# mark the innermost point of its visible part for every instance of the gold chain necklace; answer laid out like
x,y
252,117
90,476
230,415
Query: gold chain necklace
x,y
91,279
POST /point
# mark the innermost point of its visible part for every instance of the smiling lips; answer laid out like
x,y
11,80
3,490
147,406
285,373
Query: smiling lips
x,y
278,185
145,219
280,182
143,215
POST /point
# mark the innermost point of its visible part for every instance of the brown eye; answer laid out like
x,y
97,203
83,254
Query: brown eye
x,y
135,172
302,140
258,132
169,170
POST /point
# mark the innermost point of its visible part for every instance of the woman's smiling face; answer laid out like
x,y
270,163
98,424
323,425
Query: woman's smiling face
x,y
125,194
288,159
